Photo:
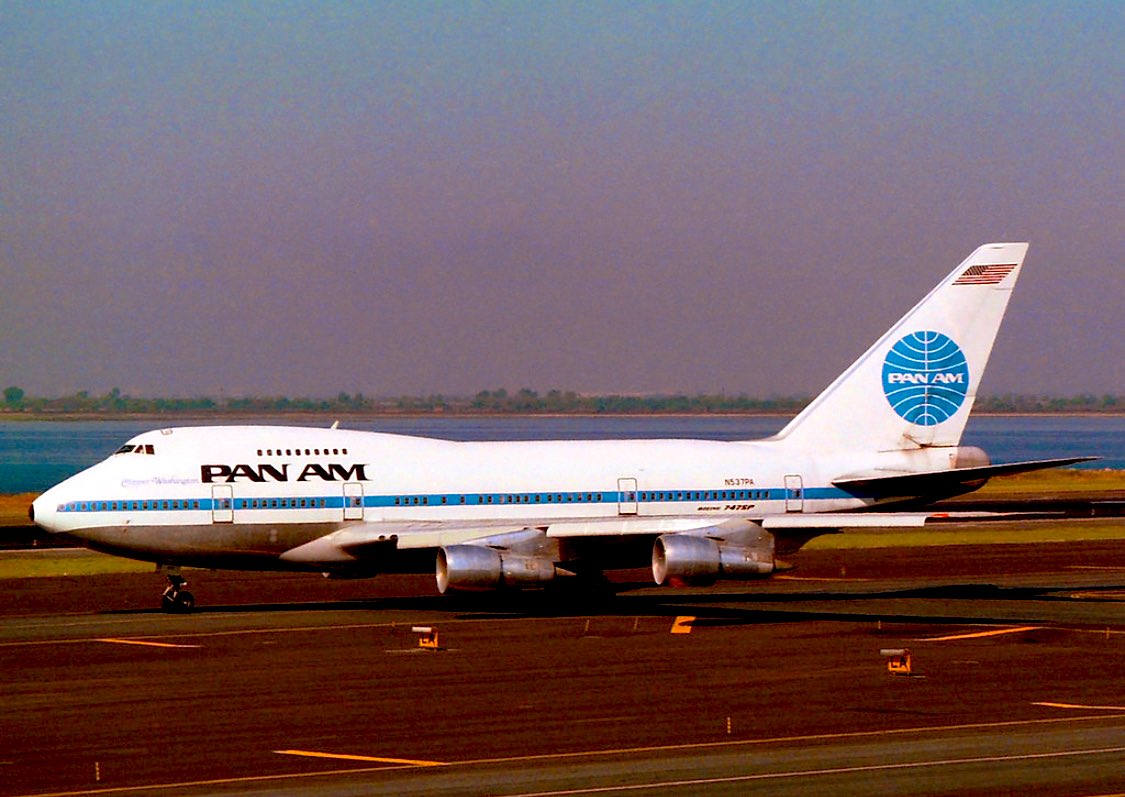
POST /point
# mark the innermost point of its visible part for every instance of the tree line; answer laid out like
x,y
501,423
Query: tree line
x,y
496,402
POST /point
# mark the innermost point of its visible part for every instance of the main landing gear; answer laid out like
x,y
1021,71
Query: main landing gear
x,y
175,597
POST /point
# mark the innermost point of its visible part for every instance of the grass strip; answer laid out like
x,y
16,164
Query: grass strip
x,y
56,563
13,508
995,533
1057,481
73,562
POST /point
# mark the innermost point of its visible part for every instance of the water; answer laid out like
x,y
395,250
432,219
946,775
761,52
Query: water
x,y
36,455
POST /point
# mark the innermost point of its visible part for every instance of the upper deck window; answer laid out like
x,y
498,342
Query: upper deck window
x,y
130,448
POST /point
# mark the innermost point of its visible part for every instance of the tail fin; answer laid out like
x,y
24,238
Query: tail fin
x,y
915,387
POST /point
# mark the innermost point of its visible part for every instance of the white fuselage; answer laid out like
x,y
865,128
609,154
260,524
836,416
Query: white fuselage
x,y
245,495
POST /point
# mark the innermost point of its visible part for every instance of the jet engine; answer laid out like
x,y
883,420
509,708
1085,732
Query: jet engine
x,y
477,567
702,560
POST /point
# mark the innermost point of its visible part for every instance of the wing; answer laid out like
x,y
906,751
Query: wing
x,y
354,545
358,542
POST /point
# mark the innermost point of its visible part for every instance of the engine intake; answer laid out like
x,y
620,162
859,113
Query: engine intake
x,y
477,567
688,559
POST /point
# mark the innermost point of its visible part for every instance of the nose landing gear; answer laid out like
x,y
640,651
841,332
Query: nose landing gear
x,y
175,597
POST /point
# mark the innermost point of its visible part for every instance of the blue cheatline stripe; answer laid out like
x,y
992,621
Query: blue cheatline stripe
x,y
457,499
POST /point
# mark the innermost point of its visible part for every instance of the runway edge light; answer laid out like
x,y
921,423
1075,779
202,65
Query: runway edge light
x,y
427,637
900,661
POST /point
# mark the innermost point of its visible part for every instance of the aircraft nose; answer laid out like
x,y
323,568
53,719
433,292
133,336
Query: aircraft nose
x,y
42,512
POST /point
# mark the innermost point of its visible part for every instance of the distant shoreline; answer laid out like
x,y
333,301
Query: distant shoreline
x,y
20,417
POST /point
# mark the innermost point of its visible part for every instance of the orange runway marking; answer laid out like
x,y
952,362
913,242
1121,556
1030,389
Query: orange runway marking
x,y
1083,708
346,757
981,634
683,624
146,644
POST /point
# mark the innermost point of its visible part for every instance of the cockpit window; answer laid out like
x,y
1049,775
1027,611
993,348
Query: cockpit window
x,y
139,448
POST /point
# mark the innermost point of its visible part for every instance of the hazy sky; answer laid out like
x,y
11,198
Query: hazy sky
x,y
305,198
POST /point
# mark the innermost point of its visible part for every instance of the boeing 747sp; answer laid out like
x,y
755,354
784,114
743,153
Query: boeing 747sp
x,y
491,515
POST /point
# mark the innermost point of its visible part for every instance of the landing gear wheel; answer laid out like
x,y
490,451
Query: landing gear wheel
x,y
182,601
186,601
175,597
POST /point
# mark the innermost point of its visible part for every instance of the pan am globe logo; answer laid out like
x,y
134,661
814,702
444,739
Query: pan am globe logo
x,y
925,378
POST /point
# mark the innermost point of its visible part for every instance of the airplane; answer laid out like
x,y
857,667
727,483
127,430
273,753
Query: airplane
x,y
881,442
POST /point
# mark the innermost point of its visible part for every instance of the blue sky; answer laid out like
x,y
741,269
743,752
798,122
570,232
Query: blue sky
x,y
305,198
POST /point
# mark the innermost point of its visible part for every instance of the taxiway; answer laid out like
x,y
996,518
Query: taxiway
x,y
293,684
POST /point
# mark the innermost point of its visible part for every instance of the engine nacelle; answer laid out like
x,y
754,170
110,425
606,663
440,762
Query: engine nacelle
x,y
688,559
478,567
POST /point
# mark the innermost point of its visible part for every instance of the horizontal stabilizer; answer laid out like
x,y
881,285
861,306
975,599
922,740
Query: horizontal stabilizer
x,y
942,482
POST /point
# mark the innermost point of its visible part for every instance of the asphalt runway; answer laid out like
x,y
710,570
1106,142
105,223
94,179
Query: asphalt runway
x,y
293,684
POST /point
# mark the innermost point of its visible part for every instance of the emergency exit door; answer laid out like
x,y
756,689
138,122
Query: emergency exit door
x,y
794,493
353,501
222,503
626,496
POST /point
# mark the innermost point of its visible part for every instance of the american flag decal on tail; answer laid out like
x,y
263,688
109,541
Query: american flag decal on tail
x,y
984,275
